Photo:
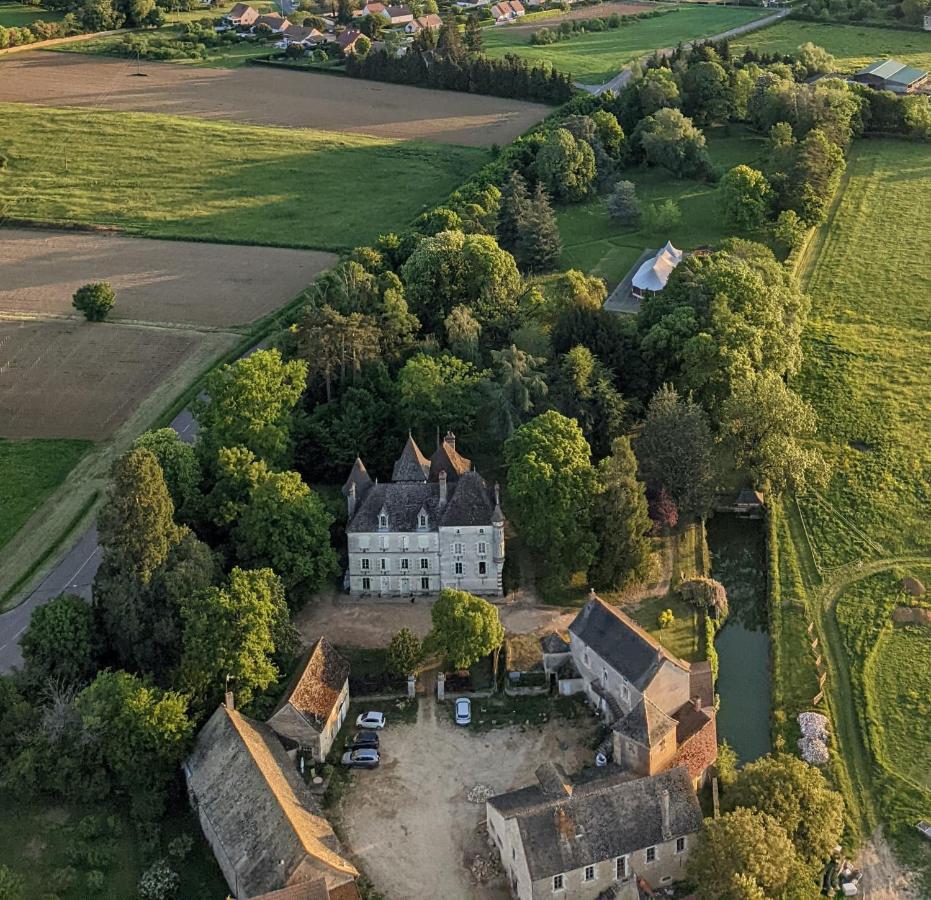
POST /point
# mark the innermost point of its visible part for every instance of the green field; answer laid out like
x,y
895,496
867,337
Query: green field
x,y
866,368
597,57
29,472
854,45
165,176
595,244
18,15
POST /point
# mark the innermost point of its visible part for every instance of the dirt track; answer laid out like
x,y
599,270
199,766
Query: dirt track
x,y
178,282
265,96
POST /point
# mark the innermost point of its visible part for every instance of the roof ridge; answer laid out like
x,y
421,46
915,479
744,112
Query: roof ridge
x,y
641,632
311,844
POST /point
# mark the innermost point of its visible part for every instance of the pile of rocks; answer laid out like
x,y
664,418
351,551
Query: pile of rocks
x,y
484,868
480,793
813,745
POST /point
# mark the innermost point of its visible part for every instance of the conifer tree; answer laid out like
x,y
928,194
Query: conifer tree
x,y
473,34
515,200
539,245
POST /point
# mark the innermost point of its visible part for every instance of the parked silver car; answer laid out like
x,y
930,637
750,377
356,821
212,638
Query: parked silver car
x,y
366,758
463,711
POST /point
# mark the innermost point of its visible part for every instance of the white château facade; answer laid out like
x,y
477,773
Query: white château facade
x,y
435,525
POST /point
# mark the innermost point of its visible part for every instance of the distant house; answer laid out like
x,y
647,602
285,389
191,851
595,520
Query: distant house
x,y
891,75
653,274
346,40
399,15
259,818
314,706
429,22
749,503
302,36
374,9
273,21
607,837
660,708
927,22
507,11
241,16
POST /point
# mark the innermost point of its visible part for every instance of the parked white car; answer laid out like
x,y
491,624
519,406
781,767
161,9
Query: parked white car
x,y
371,720
463,711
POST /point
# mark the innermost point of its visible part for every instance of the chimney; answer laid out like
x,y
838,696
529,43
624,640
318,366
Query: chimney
x,y
228,700
664,807
442,479
351,500
696,702
450,440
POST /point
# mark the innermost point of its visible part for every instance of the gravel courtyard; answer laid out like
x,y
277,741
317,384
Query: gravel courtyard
x,y
410,824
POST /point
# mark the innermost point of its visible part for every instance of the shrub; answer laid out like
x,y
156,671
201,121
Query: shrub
x,y
662,216
95,881
706,593
666,618
159,882
623,204
180,846
94,300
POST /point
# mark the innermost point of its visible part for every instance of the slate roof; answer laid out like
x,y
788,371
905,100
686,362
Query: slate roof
x,y
621,642
348,37
318,686
646,723
358,476
469,502
411,465
598,820
262,813
273,21
701,684
554,643
447,459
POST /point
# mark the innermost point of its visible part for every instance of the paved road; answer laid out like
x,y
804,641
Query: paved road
x,y
74,574
622,77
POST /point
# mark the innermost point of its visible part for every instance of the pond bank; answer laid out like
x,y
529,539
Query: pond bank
x,y
738,561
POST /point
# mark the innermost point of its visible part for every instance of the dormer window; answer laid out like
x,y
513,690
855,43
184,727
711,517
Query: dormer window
x,y
423,521
383,521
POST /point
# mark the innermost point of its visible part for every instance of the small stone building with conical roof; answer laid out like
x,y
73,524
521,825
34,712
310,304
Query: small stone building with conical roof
x,y
436,524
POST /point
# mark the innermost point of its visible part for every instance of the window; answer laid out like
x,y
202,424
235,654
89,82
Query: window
x,y
384,564
482,568
424,563
423,521
382,521
458,568
621,869
604,675
651,854
425,584
364,562
589,873
625,693
366,584
405,564
680,845
457,548
405,541
513,853
482,548
384,542
559,883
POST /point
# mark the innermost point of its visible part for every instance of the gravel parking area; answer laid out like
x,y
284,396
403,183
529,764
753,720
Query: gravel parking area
x,y
409,822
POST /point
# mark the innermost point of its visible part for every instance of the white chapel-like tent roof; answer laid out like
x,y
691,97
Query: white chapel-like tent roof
x,y
655,272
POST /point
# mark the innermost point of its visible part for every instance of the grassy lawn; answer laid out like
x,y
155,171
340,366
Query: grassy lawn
x,y
58,847
595,244
29,472
597,57
165,176
865,359
854,46
18,15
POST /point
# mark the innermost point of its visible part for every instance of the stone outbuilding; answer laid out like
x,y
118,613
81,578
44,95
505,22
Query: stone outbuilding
x,y
314,705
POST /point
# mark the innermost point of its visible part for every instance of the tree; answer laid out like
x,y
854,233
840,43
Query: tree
x,y
286,527
669,139
179,466
565,166
405,652
609,133
440,392
742,842
465,628
463,331
675,450
140,733
551,488
798,797
250,404
94,300
814,176
660,217
706,95
539,244
12,884
135,525
768,424
59,641
473,34
745,194
517,387
623,204
233,631
512,212
815,59
726,765
621,521
789,230
707,594
362,45
662,509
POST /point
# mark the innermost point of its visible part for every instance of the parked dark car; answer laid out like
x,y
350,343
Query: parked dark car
x,y
364,740
361,759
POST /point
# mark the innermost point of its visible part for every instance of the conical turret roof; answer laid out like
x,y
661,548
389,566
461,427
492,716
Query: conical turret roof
x,y
411,465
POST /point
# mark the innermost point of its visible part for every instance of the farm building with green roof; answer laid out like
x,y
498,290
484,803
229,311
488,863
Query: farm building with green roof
x,y
891,75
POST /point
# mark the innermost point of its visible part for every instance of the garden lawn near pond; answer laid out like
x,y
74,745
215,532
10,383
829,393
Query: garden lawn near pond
x,y
854,46
29,472
595,244
165,176
596,57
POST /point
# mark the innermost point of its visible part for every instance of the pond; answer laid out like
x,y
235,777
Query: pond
x,y
738,561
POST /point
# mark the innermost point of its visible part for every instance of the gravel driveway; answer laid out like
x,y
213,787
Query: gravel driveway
x,y
409,822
